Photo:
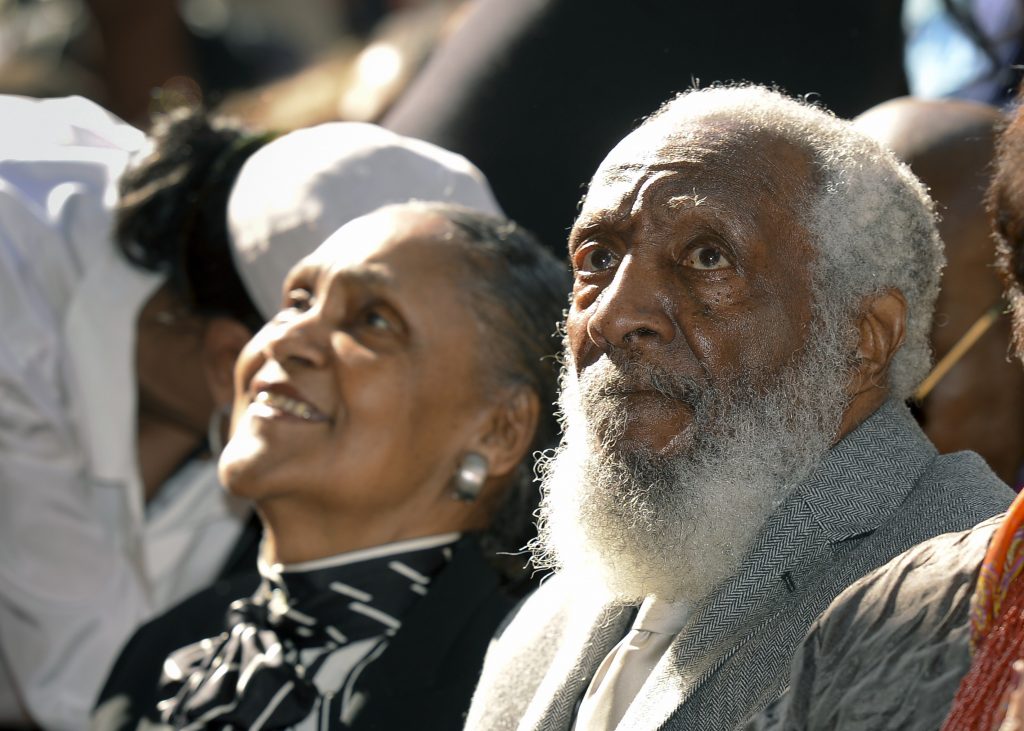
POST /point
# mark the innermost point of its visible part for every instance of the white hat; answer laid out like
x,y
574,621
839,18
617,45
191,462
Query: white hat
x,y
299,189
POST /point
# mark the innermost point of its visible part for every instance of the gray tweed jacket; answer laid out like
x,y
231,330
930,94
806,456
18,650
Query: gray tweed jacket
x,y
881,490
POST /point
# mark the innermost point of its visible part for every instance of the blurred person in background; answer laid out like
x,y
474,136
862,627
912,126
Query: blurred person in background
x,y
109,505
974,398
385,424
963,49
932,639
317,60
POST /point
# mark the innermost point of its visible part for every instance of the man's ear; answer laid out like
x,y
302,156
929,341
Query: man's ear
x,y
509,430
881,329
223,340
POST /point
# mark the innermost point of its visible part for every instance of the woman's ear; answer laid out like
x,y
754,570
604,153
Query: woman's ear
x,y
881,328
509,430
223,340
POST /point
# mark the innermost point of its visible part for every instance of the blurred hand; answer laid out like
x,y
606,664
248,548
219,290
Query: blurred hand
x,y
1014,720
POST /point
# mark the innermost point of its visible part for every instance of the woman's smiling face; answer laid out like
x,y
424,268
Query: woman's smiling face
x,y
364,391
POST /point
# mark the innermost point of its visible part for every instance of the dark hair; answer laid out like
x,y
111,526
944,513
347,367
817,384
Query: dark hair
x,y
1005,202
519,291
172,213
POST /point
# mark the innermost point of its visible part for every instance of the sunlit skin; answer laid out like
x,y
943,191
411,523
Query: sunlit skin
x,y
687,255
356,403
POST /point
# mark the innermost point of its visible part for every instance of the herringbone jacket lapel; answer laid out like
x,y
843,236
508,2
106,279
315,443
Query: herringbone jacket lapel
x,y
588,638
859,485
539,667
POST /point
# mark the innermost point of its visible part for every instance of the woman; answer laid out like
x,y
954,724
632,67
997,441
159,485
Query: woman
x,y
115,389
384,423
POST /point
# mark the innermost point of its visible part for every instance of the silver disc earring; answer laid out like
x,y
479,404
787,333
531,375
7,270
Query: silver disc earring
x,y
471,476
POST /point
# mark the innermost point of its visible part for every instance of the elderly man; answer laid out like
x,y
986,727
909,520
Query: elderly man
x,y
754,282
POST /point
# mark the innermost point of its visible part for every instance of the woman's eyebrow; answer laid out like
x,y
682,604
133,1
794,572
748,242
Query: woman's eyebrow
x,y
375,276
302,273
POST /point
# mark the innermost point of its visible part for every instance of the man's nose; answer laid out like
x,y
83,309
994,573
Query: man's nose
x,y
633,311
300,340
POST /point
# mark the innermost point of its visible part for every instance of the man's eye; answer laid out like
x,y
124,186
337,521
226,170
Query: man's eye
x,y
298,299
595,258
707,258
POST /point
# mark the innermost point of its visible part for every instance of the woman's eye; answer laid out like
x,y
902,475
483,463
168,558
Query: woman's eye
x,y
707,258
375,320
595,258
298,299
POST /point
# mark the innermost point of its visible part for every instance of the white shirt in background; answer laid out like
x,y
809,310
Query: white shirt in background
x,y
82,562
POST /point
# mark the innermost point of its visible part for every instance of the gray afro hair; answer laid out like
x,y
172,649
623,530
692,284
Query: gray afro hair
x,y
871,220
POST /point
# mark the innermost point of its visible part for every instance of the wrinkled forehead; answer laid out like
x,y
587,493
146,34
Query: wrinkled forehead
x,y
704,152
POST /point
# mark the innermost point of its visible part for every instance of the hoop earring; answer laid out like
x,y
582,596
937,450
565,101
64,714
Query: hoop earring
x,y
215,430
471,476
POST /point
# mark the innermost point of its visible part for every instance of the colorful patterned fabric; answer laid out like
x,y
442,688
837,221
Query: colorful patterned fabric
x,y
997,630
1002,565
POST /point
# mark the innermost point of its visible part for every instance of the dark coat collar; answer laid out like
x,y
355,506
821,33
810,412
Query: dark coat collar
x,y
437,654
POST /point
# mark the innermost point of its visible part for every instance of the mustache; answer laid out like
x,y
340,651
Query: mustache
x,y
619,377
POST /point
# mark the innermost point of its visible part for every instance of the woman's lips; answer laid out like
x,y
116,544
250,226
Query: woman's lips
x,y
287,405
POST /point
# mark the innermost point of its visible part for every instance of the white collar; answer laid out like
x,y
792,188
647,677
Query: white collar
x,y
662,616
361,554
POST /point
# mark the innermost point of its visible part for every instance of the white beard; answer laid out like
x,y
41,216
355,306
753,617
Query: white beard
x,y
621,522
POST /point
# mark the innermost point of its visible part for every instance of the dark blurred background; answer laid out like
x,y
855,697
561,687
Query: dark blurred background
x,y
535,92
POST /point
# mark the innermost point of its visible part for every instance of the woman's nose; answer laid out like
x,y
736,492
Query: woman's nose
x,y
632,312
300,339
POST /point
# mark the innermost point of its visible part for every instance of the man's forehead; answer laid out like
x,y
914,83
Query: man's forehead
x,y
700,151
667,140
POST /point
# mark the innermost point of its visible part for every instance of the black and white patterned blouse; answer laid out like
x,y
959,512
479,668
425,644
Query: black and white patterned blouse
x,y
293,652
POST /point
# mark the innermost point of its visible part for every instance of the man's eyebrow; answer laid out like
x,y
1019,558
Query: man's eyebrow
x,y
584,228
607,219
